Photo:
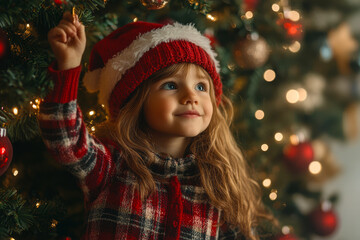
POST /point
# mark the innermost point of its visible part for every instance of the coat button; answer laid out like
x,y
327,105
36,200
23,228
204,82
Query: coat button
x,y
175,223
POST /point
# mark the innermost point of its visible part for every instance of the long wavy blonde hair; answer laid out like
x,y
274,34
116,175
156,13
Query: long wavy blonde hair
x,y
224,172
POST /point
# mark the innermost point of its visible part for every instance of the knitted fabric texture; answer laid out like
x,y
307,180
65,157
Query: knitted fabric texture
x,y
120,62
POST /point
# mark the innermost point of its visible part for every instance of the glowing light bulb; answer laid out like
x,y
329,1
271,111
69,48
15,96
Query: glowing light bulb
x,y
269,75
315,167
37,205
292,96
302,94
267,182
275,7
249,15
278,136
285,230
15,172
259,114
15,110
211,17
273,195
294,139
264,147
294,15
91,113
295,47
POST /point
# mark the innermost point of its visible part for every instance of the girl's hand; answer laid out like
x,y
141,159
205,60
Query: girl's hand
x,y
67,41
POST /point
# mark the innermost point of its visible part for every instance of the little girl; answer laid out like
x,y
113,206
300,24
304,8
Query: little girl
x,y
165,165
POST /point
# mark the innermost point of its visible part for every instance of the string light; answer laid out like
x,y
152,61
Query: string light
x,y
275,7
54,223
92,129
294,139
292,96
211,17
134,20
15,110
302,94
259,114
249,15
295,47
293,15
37,205
91,113
278,136
269,75
15,172
273,195
12,238
285,230
315,167
264,147
267,182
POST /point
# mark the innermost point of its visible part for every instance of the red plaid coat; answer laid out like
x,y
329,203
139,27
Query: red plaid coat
x,y
179,209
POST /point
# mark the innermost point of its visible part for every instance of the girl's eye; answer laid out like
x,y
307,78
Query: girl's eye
x,y
169,86
200,87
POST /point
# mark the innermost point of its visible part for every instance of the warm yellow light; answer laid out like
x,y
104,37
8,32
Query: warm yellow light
x,y
315,167
294,16
15,172
294,139
278,136
135,19
264,147
295,47
93,129
273,195
37,101
54,223
37,205
266,183
91,113
269,75
249,15
12,238
259,114
285,230
302,94
211,17
34,106
275,7
27,25
292,96
15,110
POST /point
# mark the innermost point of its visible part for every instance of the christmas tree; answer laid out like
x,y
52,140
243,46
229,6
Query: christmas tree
x,y
290,67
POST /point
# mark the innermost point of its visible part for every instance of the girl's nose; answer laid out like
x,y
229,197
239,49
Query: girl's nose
x,y
189,97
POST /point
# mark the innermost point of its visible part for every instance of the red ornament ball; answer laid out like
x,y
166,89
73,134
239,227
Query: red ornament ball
x,y
6,152
250,5
294,30
4,45
323,222
154,4
285,237
298,157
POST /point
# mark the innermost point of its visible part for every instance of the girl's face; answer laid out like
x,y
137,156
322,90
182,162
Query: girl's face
x,y
180,105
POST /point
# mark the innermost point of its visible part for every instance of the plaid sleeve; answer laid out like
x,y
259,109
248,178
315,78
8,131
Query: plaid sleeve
x,y
230,233
66,136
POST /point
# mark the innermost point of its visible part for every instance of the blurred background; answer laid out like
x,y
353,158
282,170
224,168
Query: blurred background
x,y
291,68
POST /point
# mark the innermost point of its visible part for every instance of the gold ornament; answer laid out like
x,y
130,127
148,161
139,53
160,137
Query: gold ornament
x,y
154,4
251,52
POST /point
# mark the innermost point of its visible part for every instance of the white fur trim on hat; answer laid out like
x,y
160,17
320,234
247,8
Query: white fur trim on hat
x,y
116,67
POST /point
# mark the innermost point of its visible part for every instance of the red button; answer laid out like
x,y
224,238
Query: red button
x,y
175,223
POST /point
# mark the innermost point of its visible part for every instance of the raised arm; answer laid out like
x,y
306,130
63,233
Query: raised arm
x,y
60,118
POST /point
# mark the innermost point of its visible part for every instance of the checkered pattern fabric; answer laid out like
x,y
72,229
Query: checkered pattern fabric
x,y
178,209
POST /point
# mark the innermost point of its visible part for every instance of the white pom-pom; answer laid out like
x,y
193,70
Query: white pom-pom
x,y
91,80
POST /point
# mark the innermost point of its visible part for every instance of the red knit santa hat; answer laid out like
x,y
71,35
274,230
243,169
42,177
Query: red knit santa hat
x,y
120,62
